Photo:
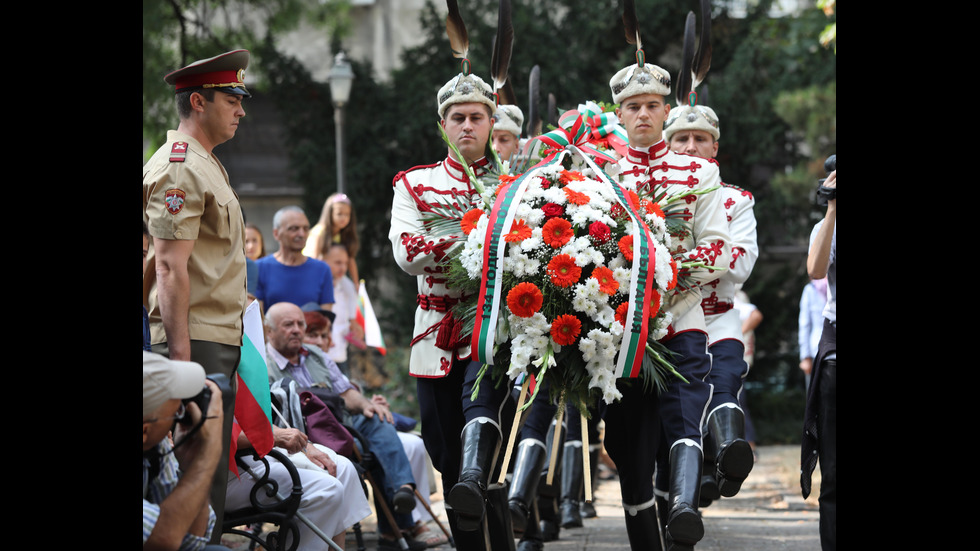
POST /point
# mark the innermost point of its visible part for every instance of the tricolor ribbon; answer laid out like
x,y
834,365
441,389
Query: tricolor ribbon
x,y
633,345
587,128
500,218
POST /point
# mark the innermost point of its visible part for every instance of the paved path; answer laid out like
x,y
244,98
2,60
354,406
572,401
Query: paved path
x,y
767,514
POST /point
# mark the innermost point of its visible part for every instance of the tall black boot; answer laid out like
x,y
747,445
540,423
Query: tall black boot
x,y
468,539
531,455
481,441
500,529
549,494
733,455
571,484
532,540
684,525
643,529
587,508
709,483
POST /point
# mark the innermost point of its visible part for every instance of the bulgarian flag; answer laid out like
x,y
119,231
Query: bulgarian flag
x,y
253,407
368,321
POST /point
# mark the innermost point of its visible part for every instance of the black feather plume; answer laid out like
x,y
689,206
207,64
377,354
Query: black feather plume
x,y
534,98
685,76
702,61
456,30
631,25
503,45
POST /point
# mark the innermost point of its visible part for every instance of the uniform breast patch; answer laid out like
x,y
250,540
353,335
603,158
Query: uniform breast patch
x,y
178,152
175,200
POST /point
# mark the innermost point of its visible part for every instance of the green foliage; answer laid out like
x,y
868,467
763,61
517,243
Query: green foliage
x,y
178,32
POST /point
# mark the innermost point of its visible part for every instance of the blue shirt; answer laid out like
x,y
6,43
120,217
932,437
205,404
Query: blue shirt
x,y
311,281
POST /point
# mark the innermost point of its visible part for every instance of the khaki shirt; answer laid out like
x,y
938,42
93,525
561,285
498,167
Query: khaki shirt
x,y
186,195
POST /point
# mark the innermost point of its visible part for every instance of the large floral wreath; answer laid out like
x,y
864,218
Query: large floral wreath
x,y
565,271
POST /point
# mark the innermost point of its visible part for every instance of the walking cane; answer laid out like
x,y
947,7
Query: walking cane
x,y
433,515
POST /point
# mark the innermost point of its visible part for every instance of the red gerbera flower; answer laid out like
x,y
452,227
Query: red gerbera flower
x,y
576,197
654,208
673,278
557,231
565,329
568,176
470,219
519,231
525,299
506,178
654,303
607,283
621,313
634,199
563,271
626,247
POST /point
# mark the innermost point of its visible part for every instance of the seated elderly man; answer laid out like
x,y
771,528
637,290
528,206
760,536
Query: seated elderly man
x,y
332,497
176,514
288,356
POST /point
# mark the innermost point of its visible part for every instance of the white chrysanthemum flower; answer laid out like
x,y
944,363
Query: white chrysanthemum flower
x,y
554,194
622,276
592,288
535,217
606,316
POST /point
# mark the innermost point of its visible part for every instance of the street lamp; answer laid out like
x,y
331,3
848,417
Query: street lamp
x,y
340,77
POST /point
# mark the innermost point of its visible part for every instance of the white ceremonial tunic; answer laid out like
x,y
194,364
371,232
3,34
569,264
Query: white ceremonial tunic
x,y
707,242
719,295
417,191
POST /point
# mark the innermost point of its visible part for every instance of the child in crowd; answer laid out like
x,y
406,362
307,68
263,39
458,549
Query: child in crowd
x,y
337,224
345,326
254,243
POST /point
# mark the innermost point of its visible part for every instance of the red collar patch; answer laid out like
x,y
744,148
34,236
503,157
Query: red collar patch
x,y
178,152
175,200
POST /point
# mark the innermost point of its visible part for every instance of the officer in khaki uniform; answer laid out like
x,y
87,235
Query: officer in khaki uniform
x,y
194,285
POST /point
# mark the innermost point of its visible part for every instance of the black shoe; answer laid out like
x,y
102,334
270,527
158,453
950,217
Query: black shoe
x,y
587,510
403,501
570,515
549,530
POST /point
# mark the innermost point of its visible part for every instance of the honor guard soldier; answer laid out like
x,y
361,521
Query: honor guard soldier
x,y
462,435
507,124
194,285
694,130
632,425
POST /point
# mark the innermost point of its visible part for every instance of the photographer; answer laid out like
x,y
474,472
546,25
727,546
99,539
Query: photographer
x,y
176,514
820,421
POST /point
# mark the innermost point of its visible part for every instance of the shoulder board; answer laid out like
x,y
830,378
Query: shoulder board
x,y
178,152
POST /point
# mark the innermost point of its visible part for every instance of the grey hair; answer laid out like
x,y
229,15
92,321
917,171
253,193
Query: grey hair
x,y
277,217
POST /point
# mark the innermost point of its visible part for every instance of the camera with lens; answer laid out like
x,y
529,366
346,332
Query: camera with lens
x,y
203,399
826,194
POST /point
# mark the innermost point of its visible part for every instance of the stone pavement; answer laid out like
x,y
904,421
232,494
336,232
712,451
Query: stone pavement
x,y
767,514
